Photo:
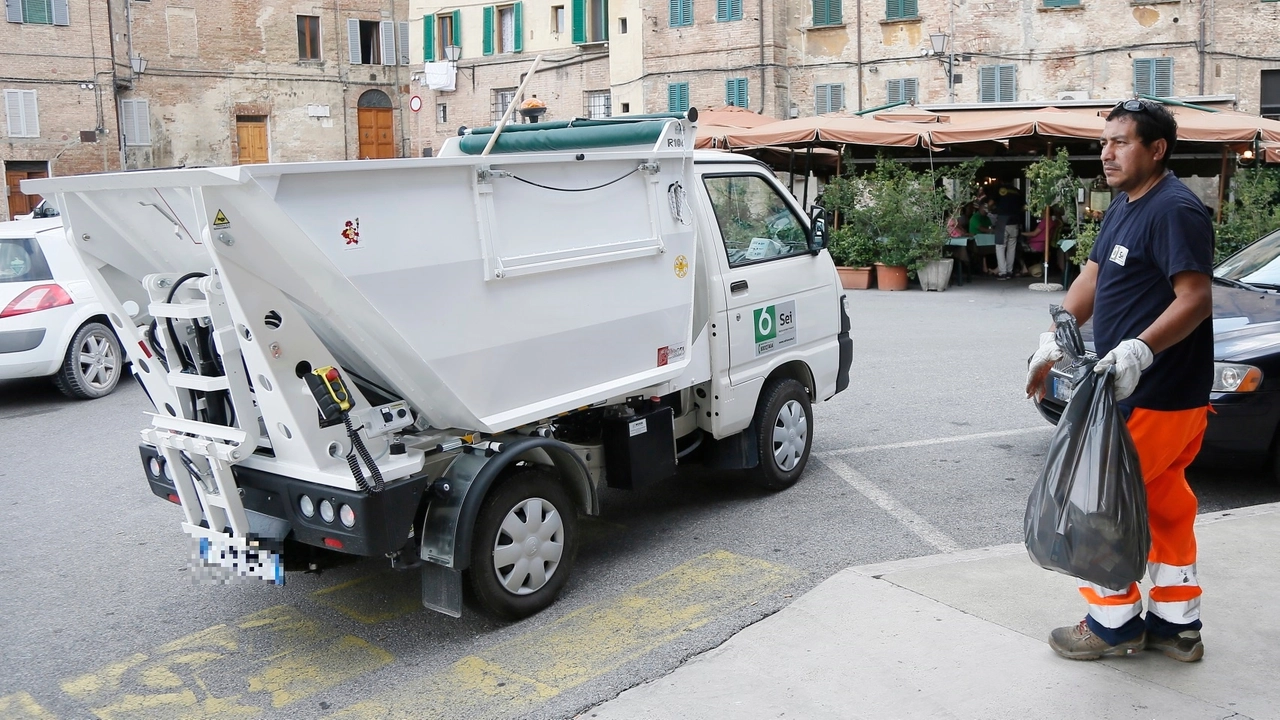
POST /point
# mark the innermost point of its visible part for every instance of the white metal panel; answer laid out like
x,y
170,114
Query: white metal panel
x,y
404,43
61,16
353,41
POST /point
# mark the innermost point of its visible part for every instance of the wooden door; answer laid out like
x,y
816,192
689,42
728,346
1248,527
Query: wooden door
x,y
20,204
252,134
377,136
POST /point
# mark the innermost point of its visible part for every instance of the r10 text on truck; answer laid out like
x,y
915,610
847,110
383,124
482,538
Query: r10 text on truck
x,y
442,360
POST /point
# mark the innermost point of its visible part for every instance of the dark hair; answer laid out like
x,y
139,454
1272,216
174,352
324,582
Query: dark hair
x,y
1153,121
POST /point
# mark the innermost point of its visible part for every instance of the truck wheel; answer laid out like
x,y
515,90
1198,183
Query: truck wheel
x,y
784,432
525,540
93,363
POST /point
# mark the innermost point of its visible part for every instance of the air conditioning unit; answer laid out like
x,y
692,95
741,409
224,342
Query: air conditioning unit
x,y
1073,95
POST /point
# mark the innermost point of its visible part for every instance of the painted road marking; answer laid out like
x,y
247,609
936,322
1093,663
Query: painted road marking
x,y
21,706
375,598
903,514
516,675
264,660
935,441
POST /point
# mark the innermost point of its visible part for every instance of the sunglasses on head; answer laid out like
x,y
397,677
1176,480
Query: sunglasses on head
x,y
1135,105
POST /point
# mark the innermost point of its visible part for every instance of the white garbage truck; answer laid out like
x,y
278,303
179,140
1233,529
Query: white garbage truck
x,y
444,360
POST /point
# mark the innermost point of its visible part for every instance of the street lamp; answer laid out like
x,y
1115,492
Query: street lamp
x,y
452,53
938,41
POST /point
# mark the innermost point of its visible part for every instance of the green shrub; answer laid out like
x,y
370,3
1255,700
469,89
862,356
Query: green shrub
x,y
851,249
1254,212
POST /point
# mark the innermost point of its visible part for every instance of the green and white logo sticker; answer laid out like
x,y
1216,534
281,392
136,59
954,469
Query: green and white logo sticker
x,y
775,327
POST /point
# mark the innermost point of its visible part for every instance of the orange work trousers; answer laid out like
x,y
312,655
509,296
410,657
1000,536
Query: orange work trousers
x,y
1167,442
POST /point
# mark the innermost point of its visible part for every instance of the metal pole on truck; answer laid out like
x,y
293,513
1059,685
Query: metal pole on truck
x,y
511,106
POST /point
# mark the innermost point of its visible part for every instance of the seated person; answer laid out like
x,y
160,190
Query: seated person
x,y
1044,233
980,222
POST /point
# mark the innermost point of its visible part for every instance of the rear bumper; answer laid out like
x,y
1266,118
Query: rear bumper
x,y
384,520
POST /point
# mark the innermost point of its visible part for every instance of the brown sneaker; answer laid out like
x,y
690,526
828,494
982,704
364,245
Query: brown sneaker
x,y
1186,646
1077,642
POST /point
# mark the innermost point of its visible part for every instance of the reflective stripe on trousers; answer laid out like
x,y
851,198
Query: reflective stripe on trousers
x,y
1167,442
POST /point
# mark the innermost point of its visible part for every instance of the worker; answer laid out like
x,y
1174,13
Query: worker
x,y
1147,287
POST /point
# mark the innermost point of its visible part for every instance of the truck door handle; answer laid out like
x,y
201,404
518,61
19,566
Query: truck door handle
x,y
737,286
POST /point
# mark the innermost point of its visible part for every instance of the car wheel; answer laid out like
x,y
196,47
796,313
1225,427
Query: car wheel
x,y
784,434
92,365
524,544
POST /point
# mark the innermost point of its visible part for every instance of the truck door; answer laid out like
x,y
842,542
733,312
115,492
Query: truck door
x,y
781,299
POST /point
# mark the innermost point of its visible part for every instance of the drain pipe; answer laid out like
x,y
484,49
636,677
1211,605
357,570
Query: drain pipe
x,y
762,57
859,88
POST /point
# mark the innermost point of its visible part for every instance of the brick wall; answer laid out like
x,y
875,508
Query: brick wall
x,y
69,68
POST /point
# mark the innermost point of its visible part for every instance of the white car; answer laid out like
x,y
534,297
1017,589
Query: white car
x,y
51,323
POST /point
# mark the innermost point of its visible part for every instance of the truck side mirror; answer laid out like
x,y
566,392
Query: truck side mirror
x,y
817,229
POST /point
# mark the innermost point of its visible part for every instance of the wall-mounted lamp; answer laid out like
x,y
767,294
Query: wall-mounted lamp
x,y
452,54
138,63
938,43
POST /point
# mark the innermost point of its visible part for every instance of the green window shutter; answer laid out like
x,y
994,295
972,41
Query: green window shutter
x,y
604,21
835,12
820,12
892,9
518,21
579,21
735,92
457,28
1008,77
675,13
487,45
987,85
722,10
677,97
1061,3
428,38
909,8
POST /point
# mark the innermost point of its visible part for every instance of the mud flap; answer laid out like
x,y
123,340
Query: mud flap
x,y
442,589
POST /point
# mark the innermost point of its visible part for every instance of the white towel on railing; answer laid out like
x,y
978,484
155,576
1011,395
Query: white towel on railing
x,y
439,76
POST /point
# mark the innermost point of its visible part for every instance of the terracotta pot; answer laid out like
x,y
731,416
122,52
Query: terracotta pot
x,y
855,278
891,277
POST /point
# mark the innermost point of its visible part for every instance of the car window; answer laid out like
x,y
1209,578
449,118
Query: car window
x,y
756,224
1258,264
22,261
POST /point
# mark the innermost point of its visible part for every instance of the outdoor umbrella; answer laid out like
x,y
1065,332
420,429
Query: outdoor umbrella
x,y
831,129
715,124
1001,126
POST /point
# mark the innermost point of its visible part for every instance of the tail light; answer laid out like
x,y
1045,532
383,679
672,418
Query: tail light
x,y
35,299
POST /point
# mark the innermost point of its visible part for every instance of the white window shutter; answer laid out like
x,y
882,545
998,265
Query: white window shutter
x,y
387,31
353,41
142,118
30,116
61,16
404,43
13,112
126,121
13,10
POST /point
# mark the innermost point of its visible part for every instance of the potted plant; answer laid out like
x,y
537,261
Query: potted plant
x,y
853,254
1050,182
934,205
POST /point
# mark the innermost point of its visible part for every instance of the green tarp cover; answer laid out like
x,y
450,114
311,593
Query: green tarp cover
x,y
567,138
576,122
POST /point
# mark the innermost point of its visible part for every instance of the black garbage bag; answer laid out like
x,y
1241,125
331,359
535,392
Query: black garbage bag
x,y
1087,514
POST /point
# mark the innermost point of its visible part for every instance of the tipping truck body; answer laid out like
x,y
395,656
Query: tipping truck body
x,y
442,360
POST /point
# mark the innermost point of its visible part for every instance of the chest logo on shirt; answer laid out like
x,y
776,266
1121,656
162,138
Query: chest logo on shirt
x,y
1118,254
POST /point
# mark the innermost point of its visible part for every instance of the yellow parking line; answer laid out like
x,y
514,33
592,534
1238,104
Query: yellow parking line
x,y
374,598
21,706
520,673
264,660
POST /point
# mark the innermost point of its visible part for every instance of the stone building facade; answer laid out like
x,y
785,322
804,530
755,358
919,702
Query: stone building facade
x,y
56,79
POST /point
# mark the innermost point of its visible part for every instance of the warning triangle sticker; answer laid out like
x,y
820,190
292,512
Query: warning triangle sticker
x,y
220,220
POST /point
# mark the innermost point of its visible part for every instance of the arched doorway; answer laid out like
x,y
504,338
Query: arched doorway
x,y
377,131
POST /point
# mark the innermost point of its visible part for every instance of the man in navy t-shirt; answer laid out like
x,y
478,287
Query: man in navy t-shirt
x,y
1147,288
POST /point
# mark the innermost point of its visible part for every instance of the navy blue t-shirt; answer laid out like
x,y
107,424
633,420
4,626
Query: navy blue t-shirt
x,y
1140,247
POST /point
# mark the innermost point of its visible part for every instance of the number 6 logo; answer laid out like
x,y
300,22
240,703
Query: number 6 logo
x,y
766,327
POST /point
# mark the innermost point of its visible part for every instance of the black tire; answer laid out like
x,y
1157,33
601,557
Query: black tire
x,y
509,591
93,363
784,434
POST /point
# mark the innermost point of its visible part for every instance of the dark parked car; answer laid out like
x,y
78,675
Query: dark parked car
x,y
1245,412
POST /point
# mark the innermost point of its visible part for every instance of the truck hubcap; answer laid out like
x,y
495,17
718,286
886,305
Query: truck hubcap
x,y
790,435
527,550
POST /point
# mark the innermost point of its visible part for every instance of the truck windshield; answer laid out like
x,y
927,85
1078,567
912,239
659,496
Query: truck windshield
x,y
22,261
755,223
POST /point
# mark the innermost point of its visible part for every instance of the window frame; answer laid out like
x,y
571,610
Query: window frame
x,y
59,13
131,136
495,99
30,126
895,10
683,89
679,13
998,82
819,88
785,200
728,10
318,40
1153,70
589,95
828,13
1271,77
737,92
908,90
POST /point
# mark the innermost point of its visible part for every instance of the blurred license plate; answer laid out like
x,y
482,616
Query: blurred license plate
x,y
1061,389
223,559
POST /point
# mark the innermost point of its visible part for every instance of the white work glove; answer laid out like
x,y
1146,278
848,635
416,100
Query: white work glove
x,y
1128,359
1041,363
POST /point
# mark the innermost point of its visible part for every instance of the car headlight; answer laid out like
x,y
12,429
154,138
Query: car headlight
x,y
1231,377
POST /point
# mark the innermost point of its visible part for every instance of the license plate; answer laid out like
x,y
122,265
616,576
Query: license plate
x,y
1061,389
223,559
